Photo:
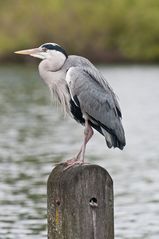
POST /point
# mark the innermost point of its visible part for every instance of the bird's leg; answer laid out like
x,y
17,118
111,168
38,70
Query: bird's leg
x,y
79,158
88,133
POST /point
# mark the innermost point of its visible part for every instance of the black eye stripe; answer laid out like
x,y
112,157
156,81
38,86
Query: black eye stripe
x,y
49,46
54,47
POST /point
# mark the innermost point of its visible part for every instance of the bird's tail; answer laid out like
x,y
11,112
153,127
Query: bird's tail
x,y
113,141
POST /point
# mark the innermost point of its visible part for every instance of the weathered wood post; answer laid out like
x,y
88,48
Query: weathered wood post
x,y
80,203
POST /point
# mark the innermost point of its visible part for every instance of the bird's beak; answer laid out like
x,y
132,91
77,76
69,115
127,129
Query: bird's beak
x,y
35,52
28,51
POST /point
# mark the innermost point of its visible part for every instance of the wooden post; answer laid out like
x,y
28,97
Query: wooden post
x,y
80,203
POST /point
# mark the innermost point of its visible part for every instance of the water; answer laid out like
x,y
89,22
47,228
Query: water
x,y
35,136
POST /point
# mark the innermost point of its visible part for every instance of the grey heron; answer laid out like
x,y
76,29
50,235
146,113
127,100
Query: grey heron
x,y
83,93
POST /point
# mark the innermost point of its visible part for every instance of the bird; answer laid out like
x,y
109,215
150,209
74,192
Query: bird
x,y
84,94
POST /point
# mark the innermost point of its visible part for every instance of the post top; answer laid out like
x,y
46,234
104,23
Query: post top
x,y
60,170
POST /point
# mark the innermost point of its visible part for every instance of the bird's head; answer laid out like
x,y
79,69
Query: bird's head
x,y
45,51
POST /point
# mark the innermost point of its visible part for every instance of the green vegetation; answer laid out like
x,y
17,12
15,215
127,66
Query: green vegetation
x,y
103,30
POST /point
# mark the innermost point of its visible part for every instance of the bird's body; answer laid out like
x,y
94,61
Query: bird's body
x,y
83,93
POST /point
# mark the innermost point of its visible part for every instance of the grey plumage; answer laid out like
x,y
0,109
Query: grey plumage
x,y
82,91
96,99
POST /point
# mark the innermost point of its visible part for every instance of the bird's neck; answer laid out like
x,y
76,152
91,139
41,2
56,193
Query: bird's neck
x,y
55,80
53,63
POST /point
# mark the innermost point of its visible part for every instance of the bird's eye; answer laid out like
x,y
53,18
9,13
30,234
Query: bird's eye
x,y
44,49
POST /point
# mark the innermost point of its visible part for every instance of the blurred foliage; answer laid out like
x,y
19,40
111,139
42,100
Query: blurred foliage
x,y
104,30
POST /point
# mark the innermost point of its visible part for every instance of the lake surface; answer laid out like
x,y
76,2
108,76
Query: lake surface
x,y
34,136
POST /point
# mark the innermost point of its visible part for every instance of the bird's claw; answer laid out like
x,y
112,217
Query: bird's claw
x,y
73,162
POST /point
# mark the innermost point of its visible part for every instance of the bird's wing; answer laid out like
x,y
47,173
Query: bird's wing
x,y
93,95
97,76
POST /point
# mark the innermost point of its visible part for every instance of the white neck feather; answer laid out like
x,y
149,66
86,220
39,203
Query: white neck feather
x,y
49,70
53,62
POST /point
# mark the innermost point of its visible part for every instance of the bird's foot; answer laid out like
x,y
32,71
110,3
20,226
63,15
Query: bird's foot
x,y
72,162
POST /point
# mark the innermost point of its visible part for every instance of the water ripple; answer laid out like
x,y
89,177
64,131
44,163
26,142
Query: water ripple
x,y
35,136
